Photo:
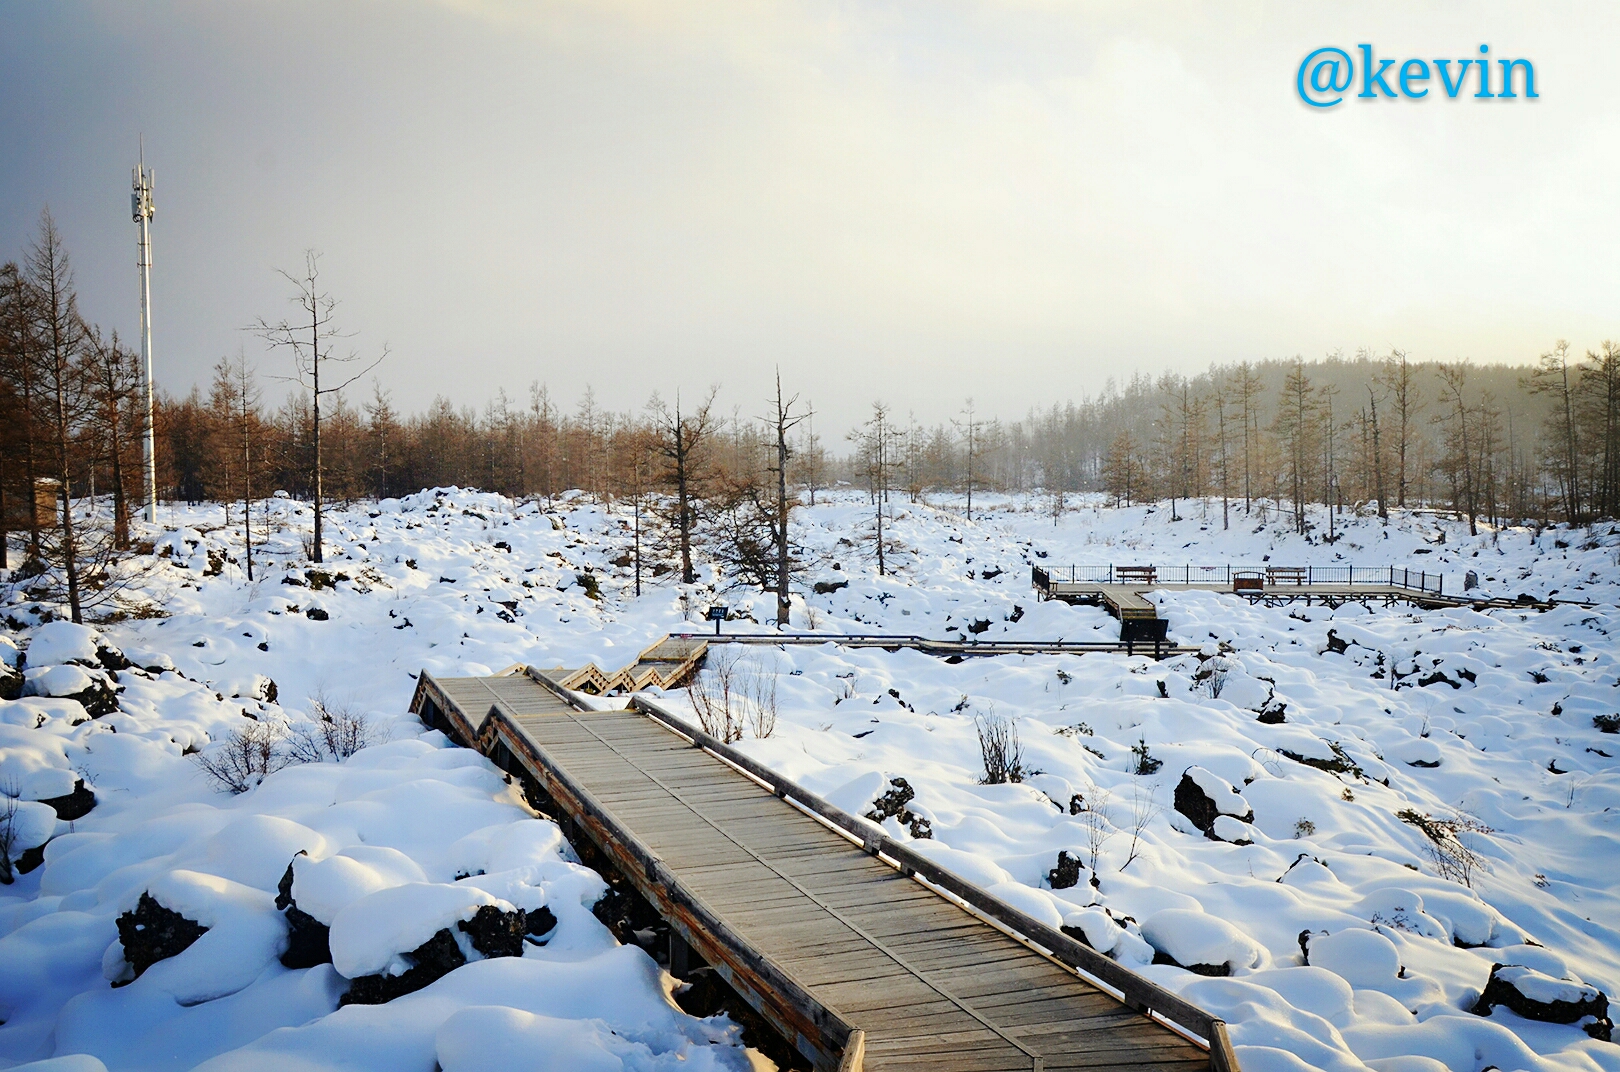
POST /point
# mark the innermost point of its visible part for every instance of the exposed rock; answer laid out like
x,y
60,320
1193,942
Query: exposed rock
x,y
979,625
827,588
1066,875
1337,644
74,805
540,922
11,683
151,933
309,941
1273,712
31,859
430,961
495,933
1204,797
316,614
1541,997
110,657
892,804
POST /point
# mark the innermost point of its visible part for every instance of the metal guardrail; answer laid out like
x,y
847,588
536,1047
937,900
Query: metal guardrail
x,y
1276,575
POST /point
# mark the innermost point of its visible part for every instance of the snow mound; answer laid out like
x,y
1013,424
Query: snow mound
x,y
370,933
1198,940
63,642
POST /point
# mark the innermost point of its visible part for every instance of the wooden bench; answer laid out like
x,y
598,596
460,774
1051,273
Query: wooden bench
x,y
1248,581
1285,574
1130,574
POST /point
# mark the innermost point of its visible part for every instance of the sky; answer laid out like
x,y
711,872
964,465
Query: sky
x,y
915,202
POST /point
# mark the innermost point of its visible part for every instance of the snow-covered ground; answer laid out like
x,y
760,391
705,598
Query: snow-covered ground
x,y
1483,736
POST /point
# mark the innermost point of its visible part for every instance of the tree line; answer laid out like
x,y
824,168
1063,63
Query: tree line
x,y
1493,443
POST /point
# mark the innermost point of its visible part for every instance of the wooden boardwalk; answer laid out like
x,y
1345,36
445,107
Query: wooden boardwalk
x,y
860,952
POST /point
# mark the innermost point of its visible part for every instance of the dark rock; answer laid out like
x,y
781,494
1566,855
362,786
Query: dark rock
x,y
892,804
111,658
1438,678
316,614
1593,1006
99,699
74,805
992,573
151,933
1606,723
1017,615
1192,801
1077,804
31,859
495,933
1470,581
1078,934
1213,971
502,545
309,941
284,894
827,588
430,961
539,923
1337,644
1273,713
11,682
980,625
1066,875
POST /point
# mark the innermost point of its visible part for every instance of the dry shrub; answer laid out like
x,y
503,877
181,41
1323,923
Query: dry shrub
x,y
730,694
998,746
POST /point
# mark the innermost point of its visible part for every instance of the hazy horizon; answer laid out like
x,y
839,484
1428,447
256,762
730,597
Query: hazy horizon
x,y
1011,201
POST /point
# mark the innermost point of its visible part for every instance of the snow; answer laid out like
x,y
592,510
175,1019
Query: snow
x,y
422,832
370,932
1190,937
62,642
1544,988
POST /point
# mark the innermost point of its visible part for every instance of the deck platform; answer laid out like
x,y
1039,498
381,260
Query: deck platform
x,y
860,952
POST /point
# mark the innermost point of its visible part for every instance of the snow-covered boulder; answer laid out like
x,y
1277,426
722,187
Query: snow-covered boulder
x,y
248,687
1362,958
196,937
400,939
32,825
11,682
10,654
1204,797
1199,942
1536,996
91,688
63,642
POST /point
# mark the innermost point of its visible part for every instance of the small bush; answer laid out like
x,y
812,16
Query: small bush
x,y
334,731
1607,723
1304,828
1143,761
998,745
247,756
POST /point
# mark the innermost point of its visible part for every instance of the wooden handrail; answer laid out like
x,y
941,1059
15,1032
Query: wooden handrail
x,y
1141,994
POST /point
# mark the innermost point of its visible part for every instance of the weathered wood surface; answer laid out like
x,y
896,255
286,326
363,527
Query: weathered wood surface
x,y
859,964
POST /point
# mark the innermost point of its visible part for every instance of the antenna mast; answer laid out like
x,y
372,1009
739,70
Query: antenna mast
x,y
140,203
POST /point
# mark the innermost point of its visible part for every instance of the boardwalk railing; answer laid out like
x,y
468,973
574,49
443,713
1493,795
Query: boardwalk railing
x,y
1133,990
896,641
1387,576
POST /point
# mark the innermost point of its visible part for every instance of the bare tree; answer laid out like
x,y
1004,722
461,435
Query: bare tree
x,y
115,379
62,335
311,339
237,396
19,365
1397,378
1458,463
783,421
680,440
874,441
1553,376
968,429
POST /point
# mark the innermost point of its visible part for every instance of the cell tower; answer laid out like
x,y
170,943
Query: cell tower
x,y
140,204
